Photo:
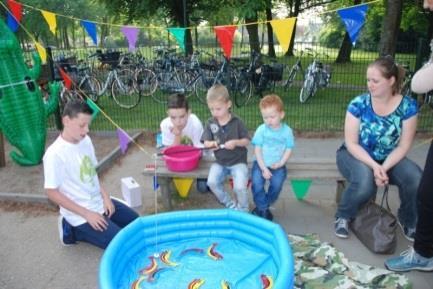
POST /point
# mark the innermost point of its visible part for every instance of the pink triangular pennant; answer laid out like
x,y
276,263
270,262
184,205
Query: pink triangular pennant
x,y
131,34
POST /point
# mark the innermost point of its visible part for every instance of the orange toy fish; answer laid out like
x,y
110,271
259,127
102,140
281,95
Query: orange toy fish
x,y
151,268
195,284
225,284
136,284
165,256
267,281
212,253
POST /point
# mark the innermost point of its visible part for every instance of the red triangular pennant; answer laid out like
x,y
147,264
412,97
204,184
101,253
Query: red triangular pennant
x,y
16,9
225,38
66,78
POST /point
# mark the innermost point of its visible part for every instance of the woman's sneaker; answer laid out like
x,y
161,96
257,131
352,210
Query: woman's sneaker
x,y
409,260
230,205
342,228
408,233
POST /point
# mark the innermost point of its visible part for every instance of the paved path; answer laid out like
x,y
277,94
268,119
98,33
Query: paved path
x,y
32,257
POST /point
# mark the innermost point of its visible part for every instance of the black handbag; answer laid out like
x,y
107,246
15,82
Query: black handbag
x,y
375,226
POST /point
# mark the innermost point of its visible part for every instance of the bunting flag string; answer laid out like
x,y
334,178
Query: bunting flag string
x,y
131,34
90,29
179,35
353,18
15,15
51,20
225,36
283,29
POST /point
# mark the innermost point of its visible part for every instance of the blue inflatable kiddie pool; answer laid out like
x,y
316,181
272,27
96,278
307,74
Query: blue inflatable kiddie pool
x,y
198,249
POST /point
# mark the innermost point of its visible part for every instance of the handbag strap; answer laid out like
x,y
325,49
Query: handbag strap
x,y
385,197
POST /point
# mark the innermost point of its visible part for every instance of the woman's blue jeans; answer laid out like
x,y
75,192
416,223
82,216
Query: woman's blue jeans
x,y
264,199
406,175
123,215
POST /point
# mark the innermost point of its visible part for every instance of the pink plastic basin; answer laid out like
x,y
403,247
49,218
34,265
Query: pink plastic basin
x,y
181,158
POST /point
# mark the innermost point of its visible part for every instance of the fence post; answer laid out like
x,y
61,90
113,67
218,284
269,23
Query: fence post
x,y
422,53
2,151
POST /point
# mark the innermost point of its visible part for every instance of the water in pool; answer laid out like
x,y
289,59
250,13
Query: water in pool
x,y
206,263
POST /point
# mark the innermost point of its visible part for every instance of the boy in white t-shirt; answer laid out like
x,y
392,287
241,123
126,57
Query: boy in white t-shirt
x,y
87,213
182,127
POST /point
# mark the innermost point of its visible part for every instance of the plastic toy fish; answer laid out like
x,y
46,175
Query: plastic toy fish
x,y
151,268
267,281
152,276
225,284
192,250
195,284
165,256
23,112
136,284
212,253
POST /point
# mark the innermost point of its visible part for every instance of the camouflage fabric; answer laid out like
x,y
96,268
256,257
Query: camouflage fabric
x,y
319,265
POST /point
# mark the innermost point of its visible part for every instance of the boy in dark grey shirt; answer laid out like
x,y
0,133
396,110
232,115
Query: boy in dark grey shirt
x,y
228,135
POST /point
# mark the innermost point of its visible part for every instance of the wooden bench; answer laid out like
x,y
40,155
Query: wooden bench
x,y
313,169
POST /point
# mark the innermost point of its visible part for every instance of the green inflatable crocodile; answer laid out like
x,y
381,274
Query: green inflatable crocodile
x,y
23,112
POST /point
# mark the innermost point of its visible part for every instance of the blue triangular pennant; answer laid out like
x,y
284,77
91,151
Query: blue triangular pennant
x,y
91,30
155,183
353,18
12,23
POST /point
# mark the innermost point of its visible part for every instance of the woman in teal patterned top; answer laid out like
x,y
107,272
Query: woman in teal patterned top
x,y
378,132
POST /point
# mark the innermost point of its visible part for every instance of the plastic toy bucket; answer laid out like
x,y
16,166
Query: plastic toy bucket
x,y
181,158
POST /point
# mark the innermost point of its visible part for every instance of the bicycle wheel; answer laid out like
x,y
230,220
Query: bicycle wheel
x,y
201,87
146,82
123,89
90,87
244,90
308,89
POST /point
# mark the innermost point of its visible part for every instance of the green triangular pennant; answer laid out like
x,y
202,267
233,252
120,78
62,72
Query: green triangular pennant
x,y
94,107
300,188
179,34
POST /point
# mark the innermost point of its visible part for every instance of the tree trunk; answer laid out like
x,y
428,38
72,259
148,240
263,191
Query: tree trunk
x,y
271,48
294,13
390,26
345,50
253,33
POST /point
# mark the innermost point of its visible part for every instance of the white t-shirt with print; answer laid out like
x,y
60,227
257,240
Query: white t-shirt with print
x,y
193,130
71,168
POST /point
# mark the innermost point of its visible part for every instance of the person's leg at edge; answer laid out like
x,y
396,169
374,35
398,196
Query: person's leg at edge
x,y
239,173
258,189
215,181
276,184
420,257
202,186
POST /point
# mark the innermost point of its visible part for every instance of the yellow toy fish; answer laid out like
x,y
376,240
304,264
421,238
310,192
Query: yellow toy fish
x,y
212,253
196,283
165,256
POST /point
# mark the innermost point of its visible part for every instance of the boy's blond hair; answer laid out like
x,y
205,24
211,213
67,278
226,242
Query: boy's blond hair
x,y
218,92
272,100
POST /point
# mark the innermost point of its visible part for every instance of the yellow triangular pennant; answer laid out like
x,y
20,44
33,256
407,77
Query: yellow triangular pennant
x,y
183,185
51,20
42,52
283,29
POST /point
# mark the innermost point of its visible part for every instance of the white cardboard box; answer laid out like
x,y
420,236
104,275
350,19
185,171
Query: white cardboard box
x,y
131,191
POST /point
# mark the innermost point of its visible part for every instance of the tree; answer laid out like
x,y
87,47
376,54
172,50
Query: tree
x,y
390,27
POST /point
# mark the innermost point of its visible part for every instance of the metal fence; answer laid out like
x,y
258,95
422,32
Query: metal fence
x,y
324,112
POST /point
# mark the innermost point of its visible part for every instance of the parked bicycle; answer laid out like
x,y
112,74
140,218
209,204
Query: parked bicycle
x,y
421,99
317,75
295,70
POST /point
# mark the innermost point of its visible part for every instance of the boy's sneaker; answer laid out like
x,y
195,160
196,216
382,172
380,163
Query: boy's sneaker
x,y
408,233
268,215
231,205
257,212
409,260
342,228
66,235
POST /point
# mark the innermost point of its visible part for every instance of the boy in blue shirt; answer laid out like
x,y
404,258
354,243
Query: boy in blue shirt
x,y
273,142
